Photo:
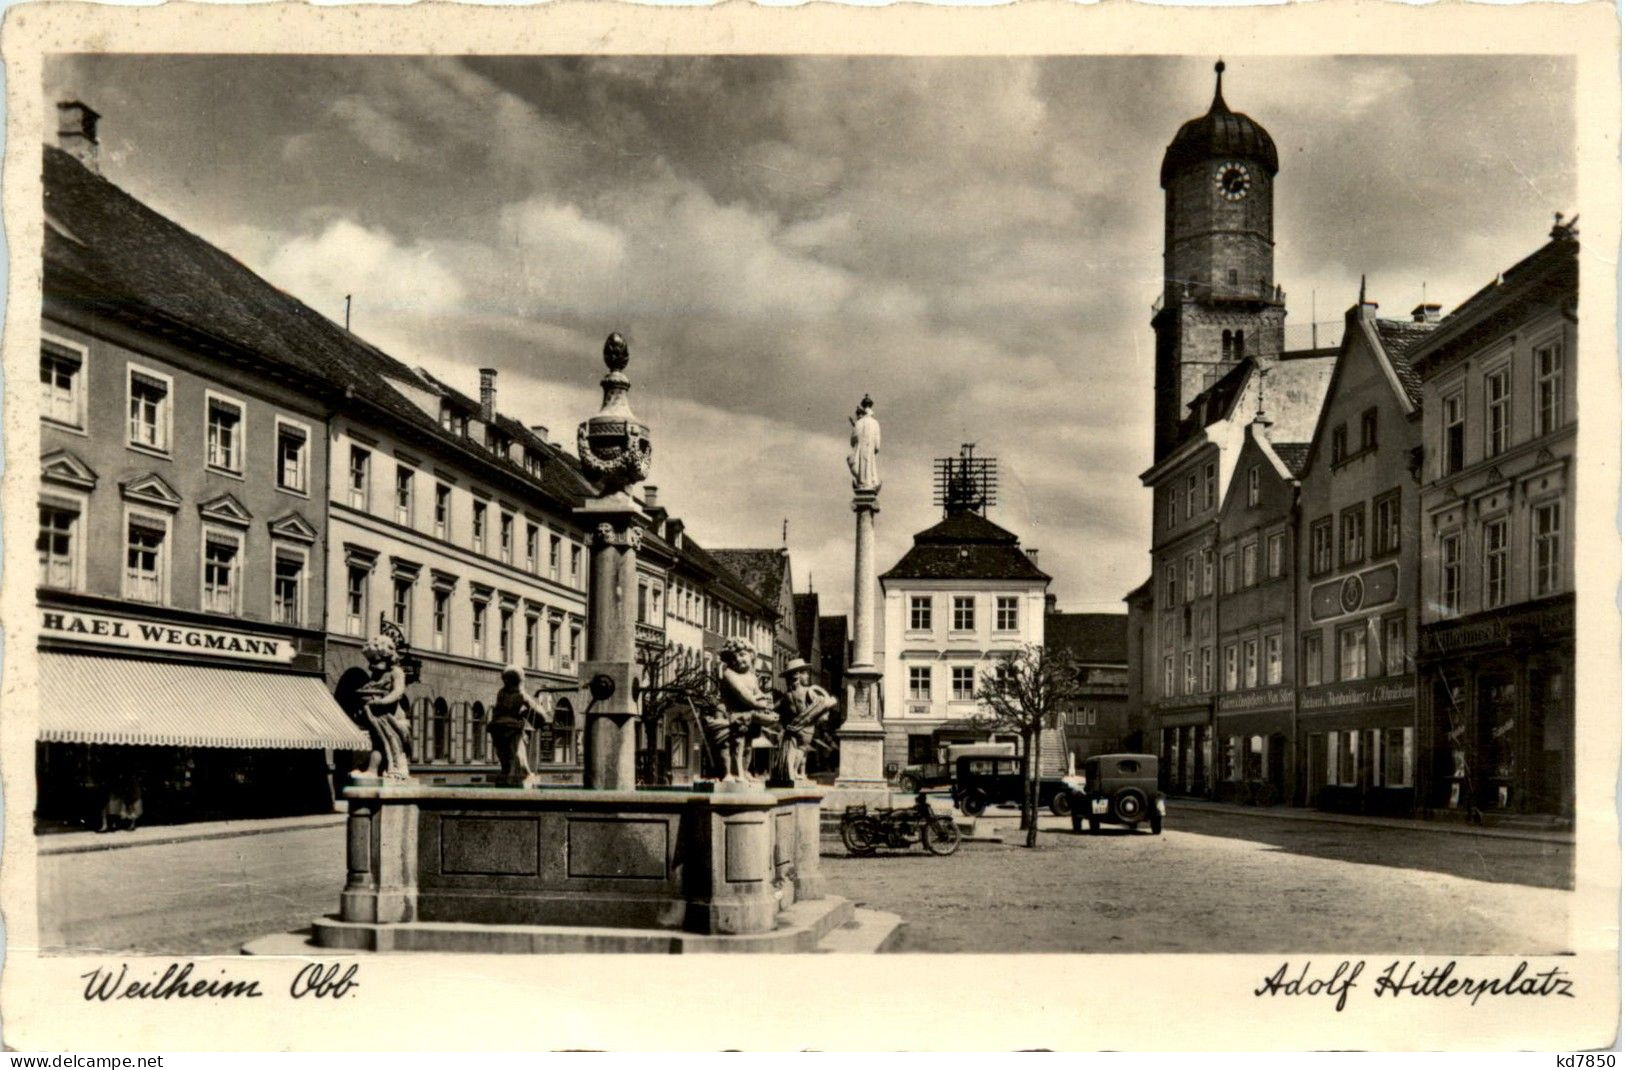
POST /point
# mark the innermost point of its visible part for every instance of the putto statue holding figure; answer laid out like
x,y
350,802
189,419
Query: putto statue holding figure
x,y
379,706
513,715
864,458
801,710
747,711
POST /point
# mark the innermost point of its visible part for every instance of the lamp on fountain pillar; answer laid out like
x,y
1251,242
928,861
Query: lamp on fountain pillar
x,y
615,454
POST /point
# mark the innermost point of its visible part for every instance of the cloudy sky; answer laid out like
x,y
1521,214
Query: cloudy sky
x,y
975,242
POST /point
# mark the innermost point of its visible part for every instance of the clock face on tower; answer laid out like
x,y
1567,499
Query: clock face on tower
x,y
1233,180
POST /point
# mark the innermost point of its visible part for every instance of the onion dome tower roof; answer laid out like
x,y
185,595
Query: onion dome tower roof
x,y
1221,133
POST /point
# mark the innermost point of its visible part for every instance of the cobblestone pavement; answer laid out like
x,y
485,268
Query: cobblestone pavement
x,y
1212,882
1222,883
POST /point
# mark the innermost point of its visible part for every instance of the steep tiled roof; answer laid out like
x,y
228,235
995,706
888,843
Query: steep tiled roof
x,y
706,564
107,252
760,570
1088,637
1295,455
1399,338
1140,593
1293,393
965,546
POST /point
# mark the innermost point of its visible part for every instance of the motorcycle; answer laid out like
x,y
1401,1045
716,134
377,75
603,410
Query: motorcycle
x,y
863,831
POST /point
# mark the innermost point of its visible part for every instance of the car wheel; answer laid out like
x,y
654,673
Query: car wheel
x,y
1156,823
907,784
973,804
1060,804
1130,805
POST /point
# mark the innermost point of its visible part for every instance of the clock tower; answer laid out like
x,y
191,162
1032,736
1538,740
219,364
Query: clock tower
x,y
1219,300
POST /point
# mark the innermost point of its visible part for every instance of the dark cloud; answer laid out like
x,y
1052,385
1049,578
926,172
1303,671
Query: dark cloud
x,y
975,241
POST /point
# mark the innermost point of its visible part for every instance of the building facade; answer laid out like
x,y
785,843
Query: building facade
x,y
453,522
1096,720
1358,735
1497,540
964,595
181,589
1254,723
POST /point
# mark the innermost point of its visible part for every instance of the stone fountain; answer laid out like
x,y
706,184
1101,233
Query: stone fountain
x,y
732,866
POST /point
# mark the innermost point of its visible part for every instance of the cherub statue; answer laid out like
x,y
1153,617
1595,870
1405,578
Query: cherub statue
x,y
513,714
382,713
803,708
746,711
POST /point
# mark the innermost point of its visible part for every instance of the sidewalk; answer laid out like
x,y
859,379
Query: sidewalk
x,y
63,843
1293,813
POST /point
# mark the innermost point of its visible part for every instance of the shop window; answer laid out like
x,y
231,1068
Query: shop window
x,y
62,383
1395,760
1348,754
223,433
59,545
1495,563
1255,757
1230,759
1548,388
1547,548
149,397
1312,665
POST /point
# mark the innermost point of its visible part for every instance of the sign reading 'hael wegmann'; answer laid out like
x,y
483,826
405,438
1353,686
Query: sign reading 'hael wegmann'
x,y
156,635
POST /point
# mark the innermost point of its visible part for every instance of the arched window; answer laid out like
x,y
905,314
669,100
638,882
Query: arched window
x,y
477,734
439,731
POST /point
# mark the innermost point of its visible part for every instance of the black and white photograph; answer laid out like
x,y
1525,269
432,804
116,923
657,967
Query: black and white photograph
x,y
511,503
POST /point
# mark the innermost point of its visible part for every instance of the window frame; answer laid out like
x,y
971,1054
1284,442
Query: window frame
x,y
1254,491
1210,485
1249,562
1497,411
352,492
1340,444
1450,572
1495,562
355,622
78,505
157,522
962,604
1275,555
1389,623
81,381
956,673
1551,571
1322,537
1347,554
1546,423
212,398
478,514
1363,629
279,422
917,674
165,416
1274,660
220,535
1314,665
916,609
1368,429
1453,432
1002,604
1250,663
288,551
1380,545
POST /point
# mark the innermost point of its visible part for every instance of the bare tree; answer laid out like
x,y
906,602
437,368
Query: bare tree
x,y
670,682
1025,694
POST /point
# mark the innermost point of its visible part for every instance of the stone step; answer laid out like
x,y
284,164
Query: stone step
x,y
870,932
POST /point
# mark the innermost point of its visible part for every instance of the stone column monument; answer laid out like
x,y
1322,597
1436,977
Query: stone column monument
x,y
862,738
615,454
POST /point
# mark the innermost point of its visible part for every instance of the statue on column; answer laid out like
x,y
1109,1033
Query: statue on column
x,y
380,703
803,708
863,460
513,715
746,711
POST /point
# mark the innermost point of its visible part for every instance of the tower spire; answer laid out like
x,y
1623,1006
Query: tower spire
x,y
1218,87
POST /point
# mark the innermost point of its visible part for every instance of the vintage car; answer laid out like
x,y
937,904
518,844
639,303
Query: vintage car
x,y
983,781
928,776
1120,789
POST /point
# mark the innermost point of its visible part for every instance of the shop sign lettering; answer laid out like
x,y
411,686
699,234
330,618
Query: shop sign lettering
x,y
1361,695
106,630
1269,698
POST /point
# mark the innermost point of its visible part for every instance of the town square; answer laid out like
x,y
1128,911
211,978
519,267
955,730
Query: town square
x,y
516,506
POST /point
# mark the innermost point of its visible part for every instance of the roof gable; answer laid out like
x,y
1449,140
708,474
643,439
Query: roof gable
x,y
1364,340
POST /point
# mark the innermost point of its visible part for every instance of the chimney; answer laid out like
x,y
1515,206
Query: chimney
x,y
76,133
539,430
1032,555
1051,602
651,496
488,394
1425,313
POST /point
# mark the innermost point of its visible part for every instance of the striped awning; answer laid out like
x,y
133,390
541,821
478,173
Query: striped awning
x,y
85,699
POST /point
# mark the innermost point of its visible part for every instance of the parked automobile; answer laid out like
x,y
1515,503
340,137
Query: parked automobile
x,y
1120,789
926,776
980,782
